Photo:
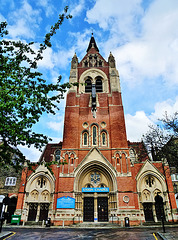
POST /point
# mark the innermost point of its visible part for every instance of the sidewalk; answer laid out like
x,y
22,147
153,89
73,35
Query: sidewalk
x,y
168,235
4,234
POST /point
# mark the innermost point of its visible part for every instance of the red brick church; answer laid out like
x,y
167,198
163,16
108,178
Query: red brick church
x,y
106,179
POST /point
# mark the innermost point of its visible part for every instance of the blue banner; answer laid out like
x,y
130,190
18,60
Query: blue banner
x,y
105,189
65,202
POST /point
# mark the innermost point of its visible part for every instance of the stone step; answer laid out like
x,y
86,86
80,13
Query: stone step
x,y
96,225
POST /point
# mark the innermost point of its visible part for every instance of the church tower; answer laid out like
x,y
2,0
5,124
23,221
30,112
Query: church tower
x,y
101,177
94,142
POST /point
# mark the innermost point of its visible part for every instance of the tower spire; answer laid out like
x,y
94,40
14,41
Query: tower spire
x,y
92,43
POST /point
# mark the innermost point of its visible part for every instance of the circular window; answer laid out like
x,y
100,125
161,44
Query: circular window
x,y
126,199
103,124
85,124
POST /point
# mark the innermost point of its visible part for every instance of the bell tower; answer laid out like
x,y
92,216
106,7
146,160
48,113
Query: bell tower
x,y
94,144
96,99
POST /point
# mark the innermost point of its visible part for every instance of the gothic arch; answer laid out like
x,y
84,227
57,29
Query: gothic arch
x,y
83,170
93,74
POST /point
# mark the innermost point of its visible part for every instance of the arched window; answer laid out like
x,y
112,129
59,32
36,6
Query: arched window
x,y
132,156
103,139
86,64
72,161
94,135
99,87
57,155
100,63
88,86
85,138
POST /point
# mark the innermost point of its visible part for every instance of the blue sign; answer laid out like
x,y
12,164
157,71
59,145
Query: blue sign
x,y
95,189
65,202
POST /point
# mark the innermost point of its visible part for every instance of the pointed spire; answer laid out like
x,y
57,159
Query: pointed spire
x,y
111,61
92,44
74,62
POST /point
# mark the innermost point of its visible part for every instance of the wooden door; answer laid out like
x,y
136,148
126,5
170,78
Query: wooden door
x,y
32,211
88,211
102,209
148,211
44,207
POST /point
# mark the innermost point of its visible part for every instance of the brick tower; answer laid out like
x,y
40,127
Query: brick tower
x,y
105,178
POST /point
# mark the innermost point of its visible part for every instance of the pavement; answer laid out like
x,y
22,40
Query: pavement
x,y
5,234
170,234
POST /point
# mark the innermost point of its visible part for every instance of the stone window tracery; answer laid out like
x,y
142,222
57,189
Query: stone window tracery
x,y
149,180
95,178
34,195
45,196
41,182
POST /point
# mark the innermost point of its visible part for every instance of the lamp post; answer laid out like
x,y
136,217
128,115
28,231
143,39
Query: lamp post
x,y
159,201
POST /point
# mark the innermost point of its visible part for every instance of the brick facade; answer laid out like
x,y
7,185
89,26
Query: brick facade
x,y
99,158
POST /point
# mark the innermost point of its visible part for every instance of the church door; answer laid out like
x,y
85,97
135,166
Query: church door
x,y
88,209
32,211
43,211
148,211
102,209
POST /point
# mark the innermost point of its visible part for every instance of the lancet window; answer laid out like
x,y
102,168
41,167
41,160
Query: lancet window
x,y
99,86
88,86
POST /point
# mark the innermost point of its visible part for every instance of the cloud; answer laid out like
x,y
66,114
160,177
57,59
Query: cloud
x,y
77,8
168,106
137,124
25,21
56,126
47,5
31,153
144,41
117,16
48,59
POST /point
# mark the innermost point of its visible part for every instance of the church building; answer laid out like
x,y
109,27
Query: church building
x,y
101,176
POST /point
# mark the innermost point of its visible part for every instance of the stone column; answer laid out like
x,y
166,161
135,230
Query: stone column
x,y
38,213
95,207
154,213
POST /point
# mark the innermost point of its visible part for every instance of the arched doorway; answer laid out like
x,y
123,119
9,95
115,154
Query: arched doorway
x,y
39,195
96,192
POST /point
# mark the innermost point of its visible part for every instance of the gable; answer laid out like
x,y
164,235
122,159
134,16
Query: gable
x,y
94,156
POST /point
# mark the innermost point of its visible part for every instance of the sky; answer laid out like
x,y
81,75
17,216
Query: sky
x,y
141,34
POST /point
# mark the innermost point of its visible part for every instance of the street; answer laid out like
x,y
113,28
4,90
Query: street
x,y
54,233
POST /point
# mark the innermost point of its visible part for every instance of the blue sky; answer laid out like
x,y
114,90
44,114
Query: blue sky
x,y
142,35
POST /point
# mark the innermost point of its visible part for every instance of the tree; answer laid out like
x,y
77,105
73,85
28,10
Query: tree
x,y
161,140
24,94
